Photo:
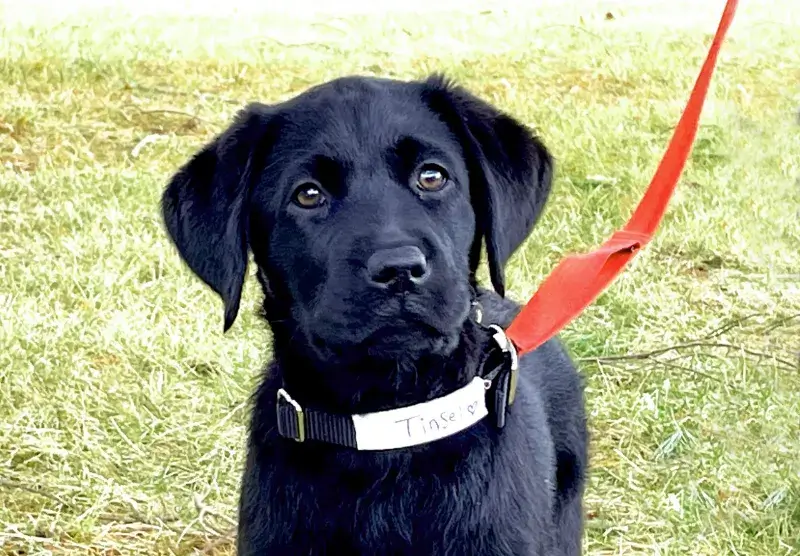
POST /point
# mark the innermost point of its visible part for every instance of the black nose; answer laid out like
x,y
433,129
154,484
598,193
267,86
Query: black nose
x,y
406,265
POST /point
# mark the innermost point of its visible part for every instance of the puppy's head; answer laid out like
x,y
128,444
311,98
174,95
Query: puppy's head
x,y
365,203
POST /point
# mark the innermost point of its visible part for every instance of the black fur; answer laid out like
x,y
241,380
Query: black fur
x,y
346,340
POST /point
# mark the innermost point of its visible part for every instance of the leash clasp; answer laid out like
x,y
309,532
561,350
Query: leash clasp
x,y
508,347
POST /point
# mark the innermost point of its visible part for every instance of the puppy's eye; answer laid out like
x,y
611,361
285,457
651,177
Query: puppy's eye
x,y
431,177
308,196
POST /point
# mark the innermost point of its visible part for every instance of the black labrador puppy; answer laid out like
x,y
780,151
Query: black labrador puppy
x,y
365,203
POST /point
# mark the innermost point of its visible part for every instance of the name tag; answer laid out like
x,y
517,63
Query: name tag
x,y
422,423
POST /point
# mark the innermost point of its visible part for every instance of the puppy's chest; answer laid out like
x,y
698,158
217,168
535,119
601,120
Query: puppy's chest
x,y
414,496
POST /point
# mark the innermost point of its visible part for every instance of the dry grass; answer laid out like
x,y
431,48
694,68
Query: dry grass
x,y
123,407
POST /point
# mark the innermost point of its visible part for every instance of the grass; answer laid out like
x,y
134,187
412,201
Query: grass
x,y
122,405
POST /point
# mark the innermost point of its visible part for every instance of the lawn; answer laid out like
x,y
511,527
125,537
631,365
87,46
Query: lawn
x,y
123,407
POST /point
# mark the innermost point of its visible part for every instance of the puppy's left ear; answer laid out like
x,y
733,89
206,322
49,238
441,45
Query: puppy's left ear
x,y
510,173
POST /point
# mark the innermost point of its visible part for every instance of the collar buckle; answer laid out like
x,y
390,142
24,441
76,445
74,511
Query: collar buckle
x,y
284,424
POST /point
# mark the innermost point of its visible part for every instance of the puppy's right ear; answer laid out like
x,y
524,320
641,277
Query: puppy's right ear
x,y
510,172
205,205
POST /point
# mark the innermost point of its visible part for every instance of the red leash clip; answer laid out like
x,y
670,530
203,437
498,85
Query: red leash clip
x,y
579,279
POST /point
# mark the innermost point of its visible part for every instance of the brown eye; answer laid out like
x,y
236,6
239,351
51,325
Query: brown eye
x,y
431,178
308,196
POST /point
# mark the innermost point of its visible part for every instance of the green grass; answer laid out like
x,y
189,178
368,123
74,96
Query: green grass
x,y
122,405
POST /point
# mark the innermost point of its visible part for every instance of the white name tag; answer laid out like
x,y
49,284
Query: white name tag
x,y
421,423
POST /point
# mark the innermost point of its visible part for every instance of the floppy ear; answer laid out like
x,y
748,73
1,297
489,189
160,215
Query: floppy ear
x,y
205,206
510,173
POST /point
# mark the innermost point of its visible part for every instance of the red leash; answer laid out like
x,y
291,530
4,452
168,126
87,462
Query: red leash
x,y
579,279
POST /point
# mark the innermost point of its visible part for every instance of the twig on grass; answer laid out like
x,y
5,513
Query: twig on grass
x,y
135,518
730,325
53,497
652,361
670,365
173,111
677,347
782,321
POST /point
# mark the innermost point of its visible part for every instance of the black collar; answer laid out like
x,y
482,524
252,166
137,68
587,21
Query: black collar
x,y
488,394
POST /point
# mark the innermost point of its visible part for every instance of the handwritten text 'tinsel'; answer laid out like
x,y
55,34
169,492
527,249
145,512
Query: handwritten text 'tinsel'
x,y
422,423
